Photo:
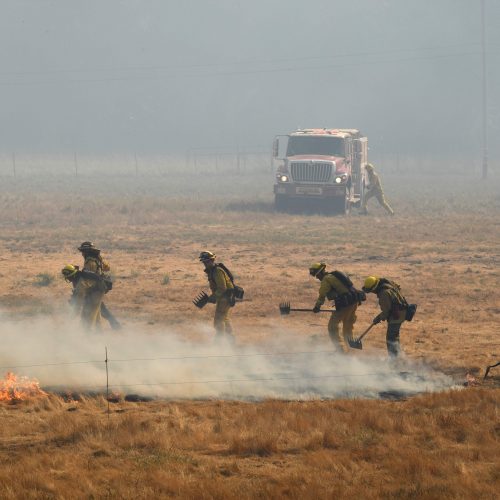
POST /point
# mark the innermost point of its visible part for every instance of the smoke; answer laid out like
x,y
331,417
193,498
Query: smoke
x,y
163,364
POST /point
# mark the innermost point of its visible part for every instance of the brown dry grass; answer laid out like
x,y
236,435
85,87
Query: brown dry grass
x,y
443,247
433,446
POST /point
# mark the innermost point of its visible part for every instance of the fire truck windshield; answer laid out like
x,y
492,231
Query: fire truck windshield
x,y
314,145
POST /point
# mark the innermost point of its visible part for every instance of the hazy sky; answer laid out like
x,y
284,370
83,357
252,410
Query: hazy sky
x,y
163,76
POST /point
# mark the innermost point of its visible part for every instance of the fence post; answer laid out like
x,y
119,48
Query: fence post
x,y
76,164
107,378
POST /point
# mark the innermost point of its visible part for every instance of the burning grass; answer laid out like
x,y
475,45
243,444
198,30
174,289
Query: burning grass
x,y
14,388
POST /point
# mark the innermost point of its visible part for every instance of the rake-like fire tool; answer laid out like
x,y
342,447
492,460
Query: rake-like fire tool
x,y
356,343
488,368
201,300
285,309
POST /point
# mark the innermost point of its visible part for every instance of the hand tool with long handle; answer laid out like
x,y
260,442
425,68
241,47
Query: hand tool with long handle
x,y
356,343
489,368
285,309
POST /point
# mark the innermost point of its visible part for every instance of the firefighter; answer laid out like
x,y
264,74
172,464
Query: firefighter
x,y
394,309
72,274
374,189
222,295
338,287
92,285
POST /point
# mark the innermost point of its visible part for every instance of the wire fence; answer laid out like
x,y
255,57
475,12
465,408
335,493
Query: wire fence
x,y
108,384
193,161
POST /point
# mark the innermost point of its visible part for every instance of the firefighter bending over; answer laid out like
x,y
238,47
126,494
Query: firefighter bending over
x,y
72,274
338,287
222,296
395,309
92,285
374,189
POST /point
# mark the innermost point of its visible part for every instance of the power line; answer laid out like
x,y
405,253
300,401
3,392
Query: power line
x,y
232,63
233,73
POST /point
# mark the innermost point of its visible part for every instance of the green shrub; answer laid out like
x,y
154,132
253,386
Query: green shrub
x,y
43,279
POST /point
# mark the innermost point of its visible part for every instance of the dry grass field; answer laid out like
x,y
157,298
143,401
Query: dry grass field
x,y
443,247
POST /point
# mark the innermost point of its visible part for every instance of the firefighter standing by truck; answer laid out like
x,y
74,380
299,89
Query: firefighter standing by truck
x,y
338,287
395,309
374,189
223,295
92,285
72,274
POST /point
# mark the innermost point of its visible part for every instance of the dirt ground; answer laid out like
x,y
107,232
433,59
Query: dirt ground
x,y
442,247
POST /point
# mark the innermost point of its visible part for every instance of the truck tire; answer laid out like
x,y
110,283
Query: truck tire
x,y
280,203
342,205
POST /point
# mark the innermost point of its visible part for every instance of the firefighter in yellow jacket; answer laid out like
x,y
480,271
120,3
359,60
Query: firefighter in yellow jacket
x,y
89,292
374,189
222,295
394,309
72,274
338,287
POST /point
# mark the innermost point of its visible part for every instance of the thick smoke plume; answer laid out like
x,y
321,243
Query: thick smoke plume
x,y
163,364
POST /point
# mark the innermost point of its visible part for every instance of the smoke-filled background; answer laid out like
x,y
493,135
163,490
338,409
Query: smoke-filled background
x,y
161,77
161,363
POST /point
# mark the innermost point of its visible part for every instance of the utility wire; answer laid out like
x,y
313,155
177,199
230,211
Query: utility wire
x,y
234,73
235,63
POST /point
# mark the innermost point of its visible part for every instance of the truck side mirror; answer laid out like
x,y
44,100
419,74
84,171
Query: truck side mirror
x,y
276,147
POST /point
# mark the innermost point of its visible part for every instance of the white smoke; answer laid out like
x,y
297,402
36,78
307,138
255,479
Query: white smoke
x,y
163,364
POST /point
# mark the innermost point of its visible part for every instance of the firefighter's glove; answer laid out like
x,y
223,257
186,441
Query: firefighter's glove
x,y
212,299
316,309
377,319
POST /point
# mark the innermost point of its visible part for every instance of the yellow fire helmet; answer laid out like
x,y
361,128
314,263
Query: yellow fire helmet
x,y
206,255
316,268
371,283
69,270
369,167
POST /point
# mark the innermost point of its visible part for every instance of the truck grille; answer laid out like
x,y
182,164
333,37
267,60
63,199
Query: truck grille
x,y
311,172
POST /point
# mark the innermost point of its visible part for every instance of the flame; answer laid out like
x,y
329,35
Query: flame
x,y
13,388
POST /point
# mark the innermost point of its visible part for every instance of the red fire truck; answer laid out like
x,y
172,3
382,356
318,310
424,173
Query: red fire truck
x,y
325,166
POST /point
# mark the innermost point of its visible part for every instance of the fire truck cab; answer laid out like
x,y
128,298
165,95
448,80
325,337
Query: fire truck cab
x,y
326,166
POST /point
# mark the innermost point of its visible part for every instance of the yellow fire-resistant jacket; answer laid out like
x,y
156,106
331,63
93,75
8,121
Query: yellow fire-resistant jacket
x,y
83,286
392,304
375,184
331,286
219,282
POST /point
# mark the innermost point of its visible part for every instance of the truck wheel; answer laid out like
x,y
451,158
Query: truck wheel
x,y
342,205
280,203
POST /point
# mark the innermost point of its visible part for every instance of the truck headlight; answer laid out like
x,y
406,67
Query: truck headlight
x,y
283,178
338,180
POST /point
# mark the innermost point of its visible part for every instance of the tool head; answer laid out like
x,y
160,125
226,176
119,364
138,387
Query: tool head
x,y
201,300
355,343
285,308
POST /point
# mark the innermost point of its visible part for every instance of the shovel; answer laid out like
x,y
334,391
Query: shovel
x,y
285,309
356,343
